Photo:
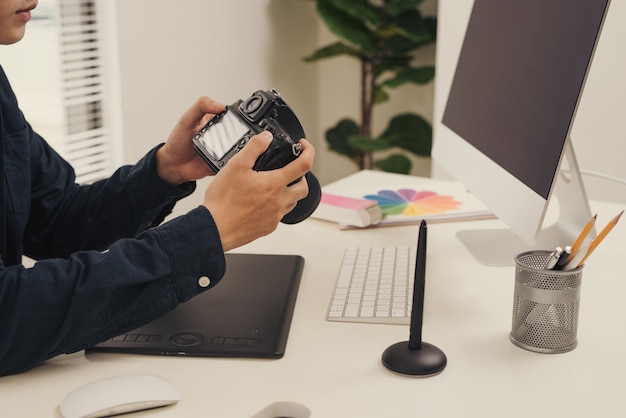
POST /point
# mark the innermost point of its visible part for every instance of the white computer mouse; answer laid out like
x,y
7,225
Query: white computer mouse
x,y
118,395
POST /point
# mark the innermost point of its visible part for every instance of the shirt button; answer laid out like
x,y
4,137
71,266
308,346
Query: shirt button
x,y
204,281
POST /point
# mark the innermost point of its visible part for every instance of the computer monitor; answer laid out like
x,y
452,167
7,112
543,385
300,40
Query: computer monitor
x,y
506,126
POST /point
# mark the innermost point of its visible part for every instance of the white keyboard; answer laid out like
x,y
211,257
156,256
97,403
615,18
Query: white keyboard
x,y
375,285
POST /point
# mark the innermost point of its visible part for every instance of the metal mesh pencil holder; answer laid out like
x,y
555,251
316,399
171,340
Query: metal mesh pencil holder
x,y
545,306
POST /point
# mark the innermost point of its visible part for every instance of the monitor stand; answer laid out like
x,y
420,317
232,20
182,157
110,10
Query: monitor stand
x,y
498,247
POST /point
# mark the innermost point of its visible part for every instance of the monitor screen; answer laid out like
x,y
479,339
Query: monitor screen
x,y
512,102
522,68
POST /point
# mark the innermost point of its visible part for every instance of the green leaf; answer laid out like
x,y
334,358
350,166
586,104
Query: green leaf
x,y
364,143
380,95
422,75
333,50
413,26
337,138
395,63
406,38
397,7
410,132
431,27
362,10
397,46
396,163
345,26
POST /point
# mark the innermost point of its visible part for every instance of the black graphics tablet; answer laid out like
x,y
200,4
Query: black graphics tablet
x,y
248,314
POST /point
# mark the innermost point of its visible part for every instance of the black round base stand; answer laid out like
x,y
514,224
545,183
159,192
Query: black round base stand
x,y
425,361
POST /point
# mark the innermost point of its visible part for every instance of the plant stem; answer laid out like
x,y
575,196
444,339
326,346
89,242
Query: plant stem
x,y
367,79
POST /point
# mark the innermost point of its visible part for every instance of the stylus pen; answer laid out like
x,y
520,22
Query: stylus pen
x,y
563,258
417,312
576,259
553,258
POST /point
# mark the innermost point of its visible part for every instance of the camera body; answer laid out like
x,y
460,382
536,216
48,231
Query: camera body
x,y
229,132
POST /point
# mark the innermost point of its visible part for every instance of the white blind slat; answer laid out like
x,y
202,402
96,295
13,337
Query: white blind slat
x,y
87,145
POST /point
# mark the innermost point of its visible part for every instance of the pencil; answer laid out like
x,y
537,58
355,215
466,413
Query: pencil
x,y
581,238
596,241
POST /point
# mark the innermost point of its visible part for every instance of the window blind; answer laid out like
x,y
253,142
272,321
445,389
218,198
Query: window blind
x,y
86,143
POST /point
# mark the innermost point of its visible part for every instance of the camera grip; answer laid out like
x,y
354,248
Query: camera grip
x,y
279,154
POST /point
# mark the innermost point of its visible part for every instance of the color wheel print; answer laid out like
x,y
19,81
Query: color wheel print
x,y
410,202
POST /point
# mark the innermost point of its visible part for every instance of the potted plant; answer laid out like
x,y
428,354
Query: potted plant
x,y
384,36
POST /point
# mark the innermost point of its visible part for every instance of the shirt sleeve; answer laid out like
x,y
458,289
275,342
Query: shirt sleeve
x,y
66,305
66,217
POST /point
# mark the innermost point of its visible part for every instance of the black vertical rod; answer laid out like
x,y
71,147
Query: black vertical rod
x,y
417,312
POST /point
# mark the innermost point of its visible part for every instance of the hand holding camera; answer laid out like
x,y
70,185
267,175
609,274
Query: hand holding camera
x,y
229,132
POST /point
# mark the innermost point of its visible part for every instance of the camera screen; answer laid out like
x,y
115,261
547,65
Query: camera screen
x,y
221,137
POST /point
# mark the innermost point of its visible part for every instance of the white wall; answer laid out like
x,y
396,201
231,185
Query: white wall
x,y
171,52
598,134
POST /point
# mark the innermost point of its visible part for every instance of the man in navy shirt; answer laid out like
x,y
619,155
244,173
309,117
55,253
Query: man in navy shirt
x,y
104,262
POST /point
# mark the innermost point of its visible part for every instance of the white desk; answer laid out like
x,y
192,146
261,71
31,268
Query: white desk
x,y
335,369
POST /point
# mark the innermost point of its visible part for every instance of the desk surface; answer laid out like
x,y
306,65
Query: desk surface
x,y
335,369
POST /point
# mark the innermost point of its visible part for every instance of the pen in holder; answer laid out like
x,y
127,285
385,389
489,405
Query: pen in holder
x,y
545,306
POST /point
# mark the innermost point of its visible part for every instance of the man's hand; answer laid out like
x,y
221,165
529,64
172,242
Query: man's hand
x,y
177,160
248,204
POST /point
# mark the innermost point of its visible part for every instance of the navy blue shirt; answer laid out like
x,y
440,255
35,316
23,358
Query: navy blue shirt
x,y
104,265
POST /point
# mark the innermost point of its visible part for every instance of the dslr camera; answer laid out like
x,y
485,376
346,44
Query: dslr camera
x,y
228,132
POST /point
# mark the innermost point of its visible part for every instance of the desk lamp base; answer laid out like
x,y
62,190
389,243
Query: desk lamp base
x,y
425,361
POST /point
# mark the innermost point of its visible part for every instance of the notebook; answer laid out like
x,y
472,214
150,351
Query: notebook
x,y
248,314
